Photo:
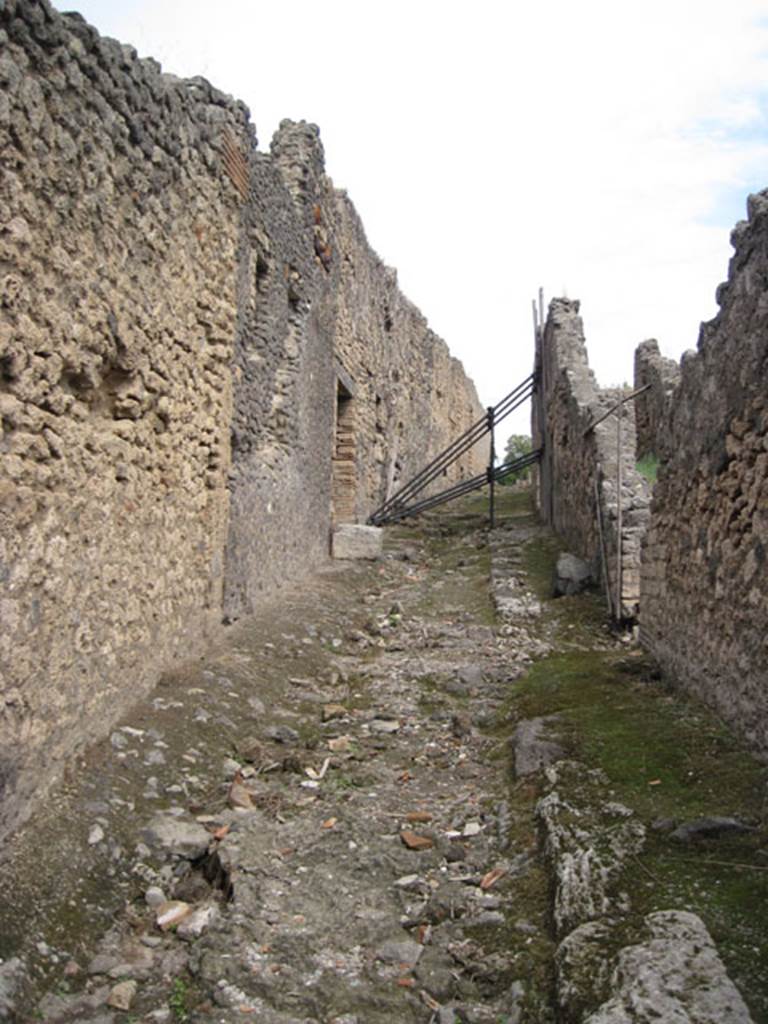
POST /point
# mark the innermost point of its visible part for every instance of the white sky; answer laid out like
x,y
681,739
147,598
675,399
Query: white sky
x,y
602,149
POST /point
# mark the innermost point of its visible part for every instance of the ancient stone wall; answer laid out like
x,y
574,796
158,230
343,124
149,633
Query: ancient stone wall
x,y
659,377
577,478
182,321
283,392
409,401
117,249
704,610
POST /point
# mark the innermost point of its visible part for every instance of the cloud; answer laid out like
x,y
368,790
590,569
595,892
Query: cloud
x,y
596,147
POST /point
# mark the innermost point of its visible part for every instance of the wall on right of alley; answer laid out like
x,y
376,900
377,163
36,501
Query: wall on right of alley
x,y
704,585
694,573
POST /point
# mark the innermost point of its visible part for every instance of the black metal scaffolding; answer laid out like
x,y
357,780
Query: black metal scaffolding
x,y
402,504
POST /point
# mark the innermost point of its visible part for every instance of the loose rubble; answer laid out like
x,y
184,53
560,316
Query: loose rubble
x,y
334,833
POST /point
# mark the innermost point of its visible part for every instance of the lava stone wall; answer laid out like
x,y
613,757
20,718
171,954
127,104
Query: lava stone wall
x,y
118,244
660,376
412,398
704,610
577,474
318,307
176,310
284,387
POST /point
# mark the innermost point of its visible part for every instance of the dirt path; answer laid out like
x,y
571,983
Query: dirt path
x,y
318,824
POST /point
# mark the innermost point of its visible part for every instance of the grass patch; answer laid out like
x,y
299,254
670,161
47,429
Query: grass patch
x,y
648,467
667,757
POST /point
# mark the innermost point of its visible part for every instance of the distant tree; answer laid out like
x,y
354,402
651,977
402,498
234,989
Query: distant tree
x,y
517,445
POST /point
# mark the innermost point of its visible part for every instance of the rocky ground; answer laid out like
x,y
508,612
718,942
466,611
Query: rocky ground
x,y
417,790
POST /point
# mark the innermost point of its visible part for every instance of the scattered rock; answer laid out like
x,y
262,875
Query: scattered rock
x,y
11,976
583,966
332,711
384,725
532,748
154,896
95,835
251,749
281,734
239,795
416,842
185,839
405,952
709,828
121,996
418,817
171,913
193,926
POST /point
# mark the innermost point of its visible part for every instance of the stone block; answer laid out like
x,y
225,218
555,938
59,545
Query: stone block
x,y
353,540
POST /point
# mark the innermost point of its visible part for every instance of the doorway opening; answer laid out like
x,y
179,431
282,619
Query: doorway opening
x,y
344,479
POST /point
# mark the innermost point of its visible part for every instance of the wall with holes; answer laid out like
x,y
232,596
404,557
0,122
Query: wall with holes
x,y
176,309
118,246
704,611
577,481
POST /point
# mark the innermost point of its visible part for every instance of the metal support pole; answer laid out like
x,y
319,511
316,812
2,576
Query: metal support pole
x,y
491,463
619,475
603,552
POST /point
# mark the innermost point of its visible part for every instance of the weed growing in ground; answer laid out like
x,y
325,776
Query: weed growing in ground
x,y
178,1001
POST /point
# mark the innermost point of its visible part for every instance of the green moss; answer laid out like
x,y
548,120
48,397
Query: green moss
x,y
667,757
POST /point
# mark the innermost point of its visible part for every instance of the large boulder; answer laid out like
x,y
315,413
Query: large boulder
x,y
572,575
675,975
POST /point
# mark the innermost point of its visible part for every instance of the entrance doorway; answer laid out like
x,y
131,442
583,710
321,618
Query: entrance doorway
x,y
344,478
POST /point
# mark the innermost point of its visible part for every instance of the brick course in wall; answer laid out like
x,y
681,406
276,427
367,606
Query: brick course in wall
x,y
177,310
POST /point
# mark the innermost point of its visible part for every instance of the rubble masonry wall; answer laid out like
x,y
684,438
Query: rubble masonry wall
x,y
659,376
704,611
577,474
177,309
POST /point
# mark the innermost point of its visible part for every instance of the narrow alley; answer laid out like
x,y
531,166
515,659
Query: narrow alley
x,y
360,809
